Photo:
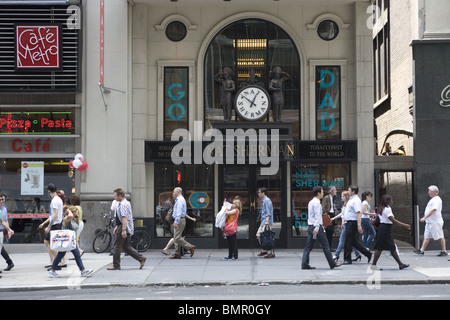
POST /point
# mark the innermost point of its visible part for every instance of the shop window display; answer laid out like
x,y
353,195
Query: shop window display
x,y
303,179
197,182
24,182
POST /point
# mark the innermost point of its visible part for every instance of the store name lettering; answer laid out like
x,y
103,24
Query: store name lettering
x,y
11,124
306,179
176,105
327,101
37,47
18,145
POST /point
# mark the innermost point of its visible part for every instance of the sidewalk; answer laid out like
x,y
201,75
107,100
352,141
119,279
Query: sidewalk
x,y
206,267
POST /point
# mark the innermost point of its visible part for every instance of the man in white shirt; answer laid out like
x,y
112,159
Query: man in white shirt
x,y
315,230
433,222
55,218
352,217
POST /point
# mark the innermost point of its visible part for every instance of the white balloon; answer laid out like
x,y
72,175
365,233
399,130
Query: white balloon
x,y
79,156
76,163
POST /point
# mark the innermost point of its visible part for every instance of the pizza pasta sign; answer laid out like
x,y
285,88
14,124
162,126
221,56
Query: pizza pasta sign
x,y
38,47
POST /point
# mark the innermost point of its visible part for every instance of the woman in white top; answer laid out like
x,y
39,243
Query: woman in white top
x,y
384,239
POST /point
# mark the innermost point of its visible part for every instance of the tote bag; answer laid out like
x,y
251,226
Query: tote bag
x,y
63,240
267,239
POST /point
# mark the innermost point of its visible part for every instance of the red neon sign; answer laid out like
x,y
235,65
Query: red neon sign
x,y
38,47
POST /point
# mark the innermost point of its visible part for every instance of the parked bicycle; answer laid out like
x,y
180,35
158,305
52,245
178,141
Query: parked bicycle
x,y
141,240
103,238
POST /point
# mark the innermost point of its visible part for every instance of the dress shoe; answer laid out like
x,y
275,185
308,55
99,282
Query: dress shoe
x,y
358,258
9,267
308,267
112,268
175,256
262,253
192,250
142,263
348,262
403,266
270,255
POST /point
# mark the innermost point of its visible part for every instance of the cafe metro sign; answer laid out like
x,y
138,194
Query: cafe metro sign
x,y
38,47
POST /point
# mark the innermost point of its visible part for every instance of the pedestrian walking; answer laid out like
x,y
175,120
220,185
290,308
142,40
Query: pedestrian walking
x,y
70,222
230,229
352,217
329,208
54,220
384,240
266,220
433,222
344,200
123,231
3,227
369,231
172,240
179,216
316,231
75,200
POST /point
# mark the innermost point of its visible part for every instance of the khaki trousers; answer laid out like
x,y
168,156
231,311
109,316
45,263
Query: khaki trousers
x,y
179,239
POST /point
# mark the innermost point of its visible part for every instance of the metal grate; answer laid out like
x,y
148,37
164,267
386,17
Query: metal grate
x,y
66,79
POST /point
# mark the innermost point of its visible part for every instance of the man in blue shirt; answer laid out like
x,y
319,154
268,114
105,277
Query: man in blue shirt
x,y
266,219
179,216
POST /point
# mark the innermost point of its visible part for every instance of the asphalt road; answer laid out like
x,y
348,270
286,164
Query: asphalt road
x,y
242,293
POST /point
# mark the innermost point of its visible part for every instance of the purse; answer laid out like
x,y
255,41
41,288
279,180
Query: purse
x,y
326,221
230,229
63,240
267,239
375,221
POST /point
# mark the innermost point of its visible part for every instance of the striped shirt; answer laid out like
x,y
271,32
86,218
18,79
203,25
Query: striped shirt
x,y
123,209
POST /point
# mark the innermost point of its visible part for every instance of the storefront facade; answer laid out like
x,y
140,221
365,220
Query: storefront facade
x,y
172,72
195,64
40,116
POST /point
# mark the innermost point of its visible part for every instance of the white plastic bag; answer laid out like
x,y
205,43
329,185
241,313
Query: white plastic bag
x,y
63,240
221,218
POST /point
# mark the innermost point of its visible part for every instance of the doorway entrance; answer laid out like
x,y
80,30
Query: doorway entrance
x,y
243,182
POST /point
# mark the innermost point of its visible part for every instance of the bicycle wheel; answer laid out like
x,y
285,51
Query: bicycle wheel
x,y
141,240
102,242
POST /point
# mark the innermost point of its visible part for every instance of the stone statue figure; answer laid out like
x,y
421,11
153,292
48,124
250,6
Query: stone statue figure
x,y
227,87
278,77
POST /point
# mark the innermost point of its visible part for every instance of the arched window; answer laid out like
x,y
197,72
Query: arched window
x,y
252,45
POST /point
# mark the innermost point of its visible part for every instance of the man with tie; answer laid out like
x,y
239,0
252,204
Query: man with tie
x,y
179,216
123,231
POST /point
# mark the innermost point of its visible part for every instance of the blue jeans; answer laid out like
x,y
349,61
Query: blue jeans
x,y
341,244
368,229
61,254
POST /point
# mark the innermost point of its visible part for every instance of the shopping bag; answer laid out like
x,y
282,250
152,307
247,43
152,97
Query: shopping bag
x,y
221,218
63,240
267,239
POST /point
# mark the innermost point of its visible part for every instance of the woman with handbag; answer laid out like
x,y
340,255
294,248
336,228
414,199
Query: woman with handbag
x,y
70,222
384,240
230,229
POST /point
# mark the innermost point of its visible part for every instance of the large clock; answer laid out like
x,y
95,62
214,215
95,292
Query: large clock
x,y
252,103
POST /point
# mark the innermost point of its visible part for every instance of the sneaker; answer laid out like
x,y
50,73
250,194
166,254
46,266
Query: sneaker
x,y
86,272
441,254
53,274
419,252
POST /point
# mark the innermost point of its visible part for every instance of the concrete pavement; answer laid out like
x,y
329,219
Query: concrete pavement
x,y
207,267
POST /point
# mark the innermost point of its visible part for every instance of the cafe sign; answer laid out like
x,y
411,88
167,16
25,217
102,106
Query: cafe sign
x,y
38,47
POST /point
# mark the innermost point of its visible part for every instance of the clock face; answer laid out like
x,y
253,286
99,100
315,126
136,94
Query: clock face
x,y
252,103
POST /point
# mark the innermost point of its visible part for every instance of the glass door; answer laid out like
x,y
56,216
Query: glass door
x,y
243,182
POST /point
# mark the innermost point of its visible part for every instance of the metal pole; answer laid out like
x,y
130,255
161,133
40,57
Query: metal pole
x,y
416,227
